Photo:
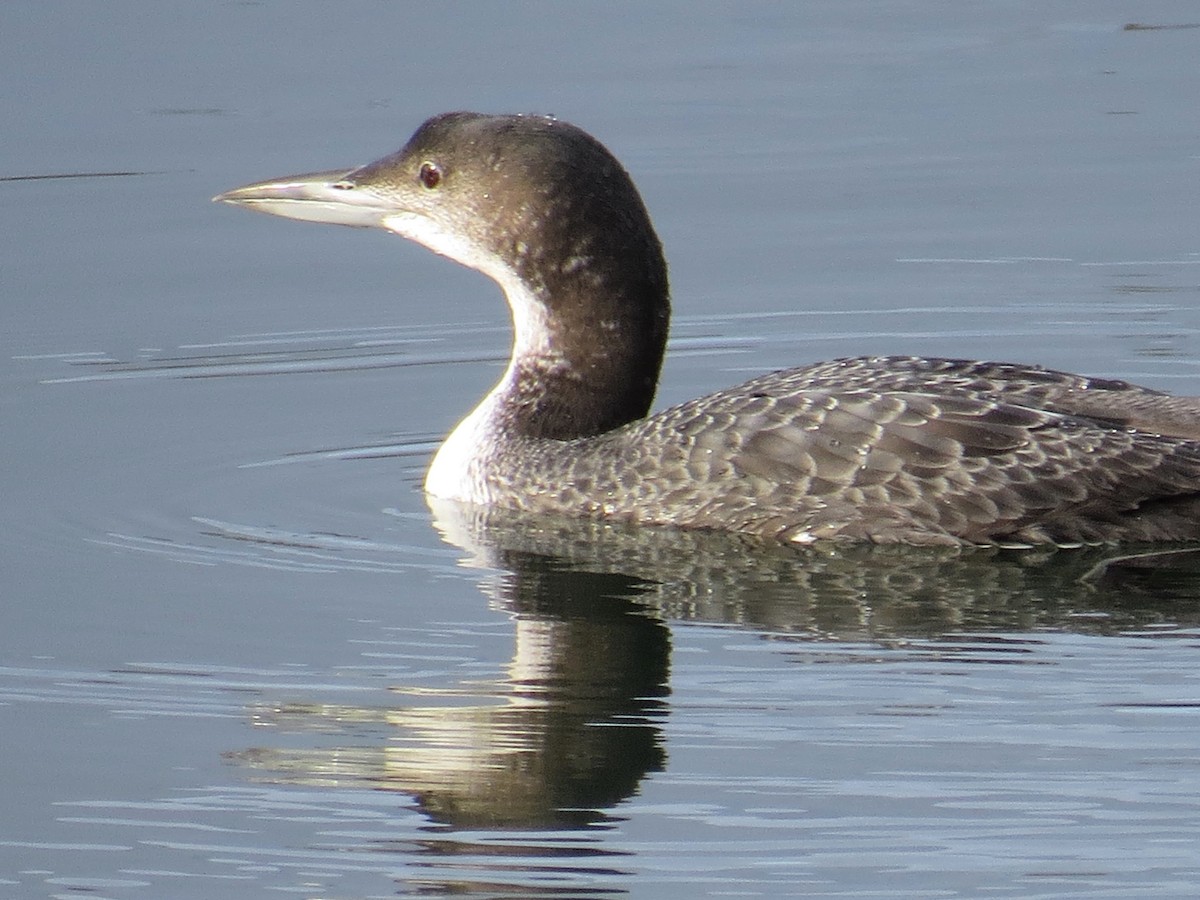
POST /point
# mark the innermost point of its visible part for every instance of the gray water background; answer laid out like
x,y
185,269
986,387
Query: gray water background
x,y
237,658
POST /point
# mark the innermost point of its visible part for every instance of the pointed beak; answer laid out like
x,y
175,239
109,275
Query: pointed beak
x,y
330,197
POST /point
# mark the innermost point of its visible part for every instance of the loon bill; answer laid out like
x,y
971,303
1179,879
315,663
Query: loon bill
x,y
884,449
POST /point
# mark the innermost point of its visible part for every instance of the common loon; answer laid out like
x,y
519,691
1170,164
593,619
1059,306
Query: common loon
x,y
883,449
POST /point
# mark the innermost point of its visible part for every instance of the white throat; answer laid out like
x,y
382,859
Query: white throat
x,y
459,470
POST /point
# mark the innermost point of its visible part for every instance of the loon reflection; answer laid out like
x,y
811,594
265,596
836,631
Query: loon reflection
x,y
567,734
576,722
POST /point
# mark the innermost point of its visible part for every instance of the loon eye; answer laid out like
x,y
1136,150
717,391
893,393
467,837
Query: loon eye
x,y
430,175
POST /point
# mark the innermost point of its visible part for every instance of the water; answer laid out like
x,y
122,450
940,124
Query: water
x,y
240,657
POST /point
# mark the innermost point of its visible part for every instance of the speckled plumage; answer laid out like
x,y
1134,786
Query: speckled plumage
x,y
889,449
921,451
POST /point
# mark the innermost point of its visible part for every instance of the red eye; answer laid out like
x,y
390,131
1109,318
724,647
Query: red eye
x,y
430,175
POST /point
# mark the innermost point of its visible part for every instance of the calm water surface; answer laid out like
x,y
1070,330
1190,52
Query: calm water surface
x,y
240,657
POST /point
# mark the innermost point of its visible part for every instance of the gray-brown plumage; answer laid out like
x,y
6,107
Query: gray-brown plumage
x,y
890,449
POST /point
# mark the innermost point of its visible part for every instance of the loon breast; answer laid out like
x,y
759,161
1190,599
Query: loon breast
x,y
884,449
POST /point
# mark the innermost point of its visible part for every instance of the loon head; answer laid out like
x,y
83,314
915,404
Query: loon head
x,y
546,211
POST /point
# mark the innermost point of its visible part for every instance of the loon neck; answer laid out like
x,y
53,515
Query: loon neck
x,y
581,365
589,336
